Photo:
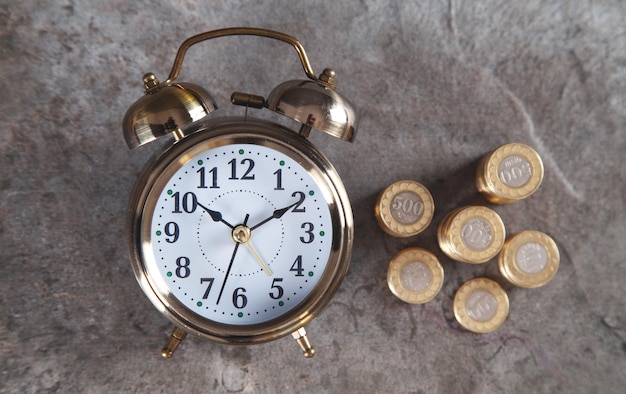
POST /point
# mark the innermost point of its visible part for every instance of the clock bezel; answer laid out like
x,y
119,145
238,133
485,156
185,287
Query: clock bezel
x,y
219,132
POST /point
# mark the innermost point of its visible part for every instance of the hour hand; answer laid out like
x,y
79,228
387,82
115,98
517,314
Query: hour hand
x,y
216,216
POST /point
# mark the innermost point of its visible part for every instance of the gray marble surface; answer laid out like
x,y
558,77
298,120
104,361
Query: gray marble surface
x,y
437,85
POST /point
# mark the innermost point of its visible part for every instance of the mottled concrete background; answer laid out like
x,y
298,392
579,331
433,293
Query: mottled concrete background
x,y
437,85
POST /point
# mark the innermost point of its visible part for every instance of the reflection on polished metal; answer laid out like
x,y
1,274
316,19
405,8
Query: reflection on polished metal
x,y
178,335
404,208
168,107
415,276
316,106
481,305
165,111
223,132
303,341
179,111
244,31
510,173
529,259
473,234
247,100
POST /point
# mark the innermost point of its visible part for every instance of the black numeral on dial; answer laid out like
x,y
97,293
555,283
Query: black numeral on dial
x,y
301,198
182,267
188,202
279,180
202,171
239,298
173,231
246,175
277,291
208,289
297,267
308,231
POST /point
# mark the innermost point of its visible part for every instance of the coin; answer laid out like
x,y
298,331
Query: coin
x,y
404,208
481,305
415,275
510,173
529,259
472,234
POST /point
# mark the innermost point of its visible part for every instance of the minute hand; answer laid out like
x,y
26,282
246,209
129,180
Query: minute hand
x,y
276,215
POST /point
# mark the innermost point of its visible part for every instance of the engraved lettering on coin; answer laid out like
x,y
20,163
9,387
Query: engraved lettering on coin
x,y
481,305
407,207
415,276
477,234
531,258
514,171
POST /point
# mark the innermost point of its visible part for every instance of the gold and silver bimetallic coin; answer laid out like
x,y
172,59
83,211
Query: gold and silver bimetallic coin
x,y
404,208
472,234
529,259
415,276
510,173
481,305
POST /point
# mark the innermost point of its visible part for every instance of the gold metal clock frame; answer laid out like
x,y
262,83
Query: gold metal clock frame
x,y
180,110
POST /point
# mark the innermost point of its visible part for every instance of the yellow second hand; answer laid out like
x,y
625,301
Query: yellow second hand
x,y
256,255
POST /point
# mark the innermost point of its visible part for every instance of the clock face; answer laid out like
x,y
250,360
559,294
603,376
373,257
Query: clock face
x,y
237,233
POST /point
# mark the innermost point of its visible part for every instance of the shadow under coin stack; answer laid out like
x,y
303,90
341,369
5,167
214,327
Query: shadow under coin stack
x,y
473,235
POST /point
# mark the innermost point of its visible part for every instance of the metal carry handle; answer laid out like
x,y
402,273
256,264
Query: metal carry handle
x,y
247,31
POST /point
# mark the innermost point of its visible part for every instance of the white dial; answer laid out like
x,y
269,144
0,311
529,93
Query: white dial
x,y
240,233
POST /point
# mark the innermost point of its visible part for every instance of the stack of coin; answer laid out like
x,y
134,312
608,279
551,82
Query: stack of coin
x,y
510,173
404,209
481,305
415,276
473,234
529,259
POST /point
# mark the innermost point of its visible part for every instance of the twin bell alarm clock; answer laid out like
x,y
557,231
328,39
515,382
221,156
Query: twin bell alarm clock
x,y
239,230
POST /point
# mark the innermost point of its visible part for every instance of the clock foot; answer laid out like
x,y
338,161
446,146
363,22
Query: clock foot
x,y
172,344
303,342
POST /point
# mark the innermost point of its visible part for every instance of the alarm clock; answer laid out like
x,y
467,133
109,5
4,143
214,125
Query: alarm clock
x,y
239,230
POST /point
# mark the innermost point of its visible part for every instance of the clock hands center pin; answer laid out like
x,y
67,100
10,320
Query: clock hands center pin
x,y
242,235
